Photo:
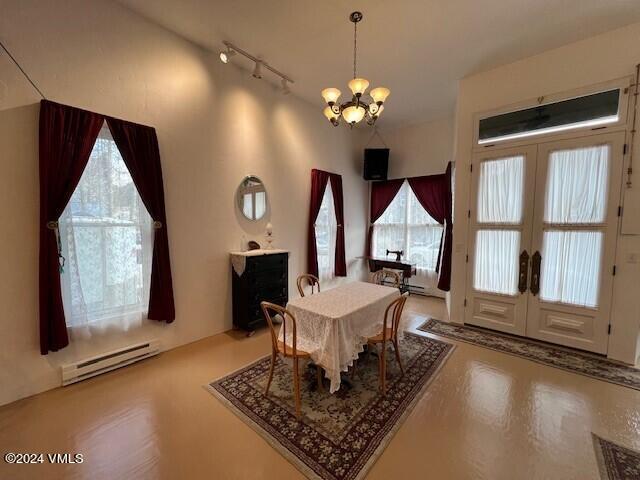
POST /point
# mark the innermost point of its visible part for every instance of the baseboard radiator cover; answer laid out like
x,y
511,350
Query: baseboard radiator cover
x,y
105,362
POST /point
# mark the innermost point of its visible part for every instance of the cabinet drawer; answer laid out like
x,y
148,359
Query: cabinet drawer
x,y
267,293
266,262
255,310
268,278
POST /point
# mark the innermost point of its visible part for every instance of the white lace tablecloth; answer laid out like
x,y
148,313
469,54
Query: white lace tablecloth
x,y
334,325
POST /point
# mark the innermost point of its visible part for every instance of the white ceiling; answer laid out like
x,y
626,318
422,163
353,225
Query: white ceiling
x,y
417,48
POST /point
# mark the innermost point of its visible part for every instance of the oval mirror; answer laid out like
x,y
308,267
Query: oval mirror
x,y
252,198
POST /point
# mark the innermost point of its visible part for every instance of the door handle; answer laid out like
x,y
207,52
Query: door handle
x,y
536,260
524,271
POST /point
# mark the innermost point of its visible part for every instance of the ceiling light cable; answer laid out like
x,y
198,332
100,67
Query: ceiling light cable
x,y
22,70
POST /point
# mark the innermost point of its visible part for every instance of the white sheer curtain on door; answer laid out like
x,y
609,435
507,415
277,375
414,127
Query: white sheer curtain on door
x,y
577,186
576,194
500,191
500,203
326,233
107,241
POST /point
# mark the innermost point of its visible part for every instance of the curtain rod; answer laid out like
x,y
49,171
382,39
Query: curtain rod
x,y
22,70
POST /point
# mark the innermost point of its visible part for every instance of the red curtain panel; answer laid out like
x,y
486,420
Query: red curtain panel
x,y
319,180
382,194
338,200
66,138
138,145
444,260
434,194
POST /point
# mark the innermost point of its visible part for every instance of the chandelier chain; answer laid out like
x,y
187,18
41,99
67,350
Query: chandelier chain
x,y
355,46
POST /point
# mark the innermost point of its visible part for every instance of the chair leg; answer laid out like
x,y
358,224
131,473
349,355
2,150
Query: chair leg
x,y
319,376
274,355
296,386
353,369
395,349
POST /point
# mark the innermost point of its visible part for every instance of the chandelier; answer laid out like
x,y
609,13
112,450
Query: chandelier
x,y
360,106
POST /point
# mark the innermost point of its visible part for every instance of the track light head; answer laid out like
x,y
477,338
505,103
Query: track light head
x,y
225,55
285,86
257,70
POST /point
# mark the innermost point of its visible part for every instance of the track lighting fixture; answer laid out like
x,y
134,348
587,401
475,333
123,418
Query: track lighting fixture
x,y
257,70
225,55
285,86
231,50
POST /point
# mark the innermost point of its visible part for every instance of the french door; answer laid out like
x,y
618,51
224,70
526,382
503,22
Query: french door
x,y
542,239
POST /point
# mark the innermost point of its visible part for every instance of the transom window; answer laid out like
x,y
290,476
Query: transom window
x,y
586,111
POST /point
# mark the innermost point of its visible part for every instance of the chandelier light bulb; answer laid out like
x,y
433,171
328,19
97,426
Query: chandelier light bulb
x,y
358,86
378,110
331,115
353,114
331,95
379,94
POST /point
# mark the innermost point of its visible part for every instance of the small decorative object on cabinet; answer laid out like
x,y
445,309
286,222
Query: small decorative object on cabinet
x,y
269,235
258,275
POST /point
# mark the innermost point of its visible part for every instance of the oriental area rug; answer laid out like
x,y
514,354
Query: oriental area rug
x,y
615,461
574,361
340,435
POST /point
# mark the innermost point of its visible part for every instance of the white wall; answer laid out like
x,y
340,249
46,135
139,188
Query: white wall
x,y
215,125
417,149
597,59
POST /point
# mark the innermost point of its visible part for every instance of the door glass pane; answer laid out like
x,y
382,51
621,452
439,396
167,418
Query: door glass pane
x,y
577,185
500,190
496,261
570,271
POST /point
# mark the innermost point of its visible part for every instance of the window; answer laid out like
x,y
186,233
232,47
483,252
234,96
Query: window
x,y
405,225
106,235
326,231
586,111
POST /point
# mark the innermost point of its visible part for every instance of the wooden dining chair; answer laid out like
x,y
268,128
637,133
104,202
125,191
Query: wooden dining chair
x,y
389,333
382,275
311,280
287,351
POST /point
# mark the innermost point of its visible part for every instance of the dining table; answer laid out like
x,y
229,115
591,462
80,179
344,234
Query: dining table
x,y
333,325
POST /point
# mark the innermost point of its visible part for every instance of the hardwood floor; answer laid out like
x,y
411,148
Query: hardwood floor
x,y
486,415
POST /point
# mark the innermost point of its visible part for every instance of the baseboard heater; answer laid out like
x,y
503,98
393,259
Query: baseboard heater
x,y
90,367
